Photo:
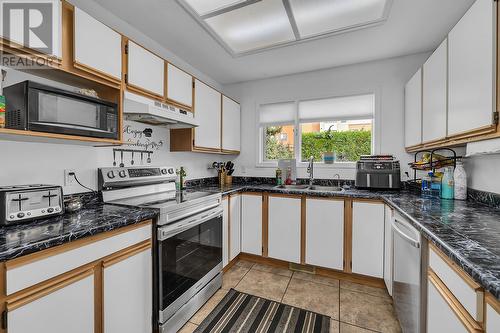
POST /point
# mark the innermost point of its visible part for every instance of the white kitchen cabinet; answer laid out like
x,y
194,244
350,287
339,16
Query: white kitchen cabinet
x,y
128,293
16,34
225,231
69,305
145,70
472,69
251,224
325,233
97,46
234,226
179,86
389,216
435,94
413,110
231,130
284,228
208,114
368,239
492,315
440,316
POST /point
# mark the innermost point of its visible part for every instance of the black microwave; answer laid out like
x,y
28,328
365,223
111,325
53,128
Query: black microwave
x,y
36,107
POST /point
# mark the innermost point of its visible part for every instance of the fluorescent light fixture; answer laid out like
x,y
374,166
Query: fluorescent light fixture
x,y
204,7
316,17
259,25
249,26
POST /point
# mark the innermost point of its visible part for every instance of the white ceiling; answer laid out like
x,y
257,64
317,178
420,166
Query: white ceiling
x,y
413,26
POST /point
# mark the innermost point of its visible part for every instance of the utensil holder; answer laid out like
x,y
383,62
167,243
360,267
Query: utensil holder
x,y
222,178
228,180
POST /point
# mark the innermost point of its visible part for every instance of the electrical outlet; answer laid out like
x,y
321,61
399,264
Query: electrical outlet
x,y
68,179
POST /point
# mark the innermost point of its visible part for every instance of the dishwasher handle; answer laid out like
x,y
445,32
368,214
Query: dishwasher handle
x,y
408,239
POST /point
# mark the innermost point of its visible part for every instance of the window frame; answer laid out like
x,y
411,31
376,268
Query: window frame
x,y
297,131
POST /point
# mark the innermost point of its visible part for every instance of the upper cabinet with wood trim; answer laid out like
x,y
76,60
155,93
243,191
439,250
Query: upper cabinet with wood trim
x,y
208,113
179,86
413,110
231,131
145,71
96,46
435,89
472,62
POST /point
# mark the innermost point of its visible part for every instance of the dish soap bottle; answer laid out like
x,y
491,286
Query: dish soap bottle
x,y
460,177
447,184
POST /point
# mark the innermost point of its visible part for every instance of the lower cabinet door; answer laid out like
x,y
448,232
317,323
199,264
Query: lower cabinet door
x,y
368,239
127,285
234,226
251,224
441,318
225,231
492,315
66,307
325,233
284,228
389,215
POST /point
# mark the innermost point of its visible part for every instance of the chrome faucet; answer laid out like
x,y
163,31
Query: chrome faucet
x,y
338,178
310,170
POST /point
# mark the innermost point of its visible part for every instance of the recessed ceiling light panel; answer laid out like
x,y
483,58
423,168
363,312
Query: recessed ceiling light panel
x,y
259,25
316,17
204,7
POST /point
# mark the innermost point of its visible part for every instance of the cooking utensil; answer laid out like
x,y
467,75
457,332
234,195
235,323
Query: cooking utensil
x,y
114,158
149,158
142,158
132,161
121,158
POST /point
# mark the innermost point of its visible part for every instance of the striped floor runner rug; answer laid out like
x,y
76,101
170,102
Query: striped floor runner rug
x,y
242,313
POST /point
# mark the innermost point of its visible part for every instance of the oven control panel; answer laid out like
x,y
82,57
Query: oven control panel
x,y
120,177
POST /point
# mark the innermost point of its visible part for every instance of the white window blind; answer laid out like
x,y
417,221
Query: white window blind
x,y
277,113
351,107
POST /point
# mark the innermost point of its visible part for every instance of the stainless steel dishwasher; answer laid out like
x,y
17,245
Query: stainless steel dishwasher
x,y
409,257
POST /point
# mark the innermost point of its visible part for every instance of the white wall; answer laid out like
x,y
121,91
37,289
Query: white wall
x,y
385,78
27,162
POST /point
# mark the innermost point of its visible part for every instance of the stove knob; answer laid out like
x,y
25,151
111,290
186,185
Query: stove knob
x,y
50,210
122,174
111,175
12,216
164,171
171,171
20,215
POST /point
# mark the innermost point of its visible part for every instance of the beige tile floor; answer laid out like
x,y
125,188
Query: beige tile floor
x,y
354,308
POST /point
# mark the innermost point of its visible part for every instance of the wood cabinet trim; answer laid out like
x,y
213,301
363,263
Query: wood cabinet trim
x,y
303,230
172,101
493,302
457,308
348,236
284,195
42,290
467,279
126,253
265,224
312,197
30,258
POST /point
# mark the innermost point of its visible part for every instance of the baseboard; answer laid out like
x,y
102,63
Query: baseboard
x,y
351,277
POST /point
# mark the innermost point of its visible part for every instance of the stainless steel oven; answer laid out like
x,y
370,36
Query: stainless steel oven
x,y
190,257
37,107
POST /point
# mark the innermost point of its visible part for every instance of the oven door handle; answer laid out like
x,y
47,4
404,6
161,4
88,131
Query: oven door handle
x,y
408,239
169,231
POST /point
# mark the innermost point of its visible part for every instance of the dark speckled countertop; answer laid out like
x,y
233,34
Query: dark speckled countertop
x,y
468,232
93,219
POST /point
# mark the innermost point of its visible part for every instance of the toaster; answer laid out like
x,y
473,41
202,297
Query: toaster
x,y
22,203
378,172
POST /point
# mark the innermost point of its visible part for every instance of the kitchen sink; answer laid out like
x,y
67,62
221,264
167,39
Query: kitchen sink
x,y
293,187
311,188
326,188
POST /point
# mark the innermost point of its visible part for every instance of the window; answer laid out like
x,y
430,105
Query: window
x,y
341,125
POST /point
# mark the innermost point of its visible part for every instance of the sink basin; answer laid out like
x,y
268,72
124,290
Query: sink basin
x,y
326,188
293,187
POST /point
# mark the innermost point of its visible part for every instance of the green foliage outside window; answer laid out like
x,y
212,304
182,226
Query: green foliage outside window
x,y
348,145
276,150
